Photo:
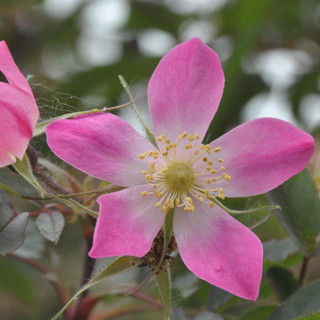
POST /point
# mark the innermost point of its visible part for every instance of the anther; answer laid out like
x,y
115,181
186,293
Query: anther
x,y
221,195
226,177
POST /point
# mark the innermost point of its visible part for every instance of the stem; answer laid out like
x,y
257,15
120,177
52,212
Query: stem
x,y
49,181
87,270
303,270
149,133
61,291
231,211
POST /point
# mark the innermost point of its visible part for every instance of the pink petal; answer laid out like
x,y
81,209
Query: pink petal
x,y
261,154
185,90
220,250
101,145
127,223
19,111
11,71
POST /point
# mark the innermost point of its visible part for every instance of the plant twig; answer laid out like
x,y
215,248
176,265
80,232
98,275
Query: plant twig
x,y
87,269
303,270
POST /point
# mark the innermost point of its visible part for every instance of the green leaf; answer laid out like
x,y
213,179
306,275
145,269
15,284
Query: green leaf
x,y
24,168
164,284
13,234
301,303
6,210
282,281
33,244
13,183
300,214
278,250
12,226
261,313
51,225
117,266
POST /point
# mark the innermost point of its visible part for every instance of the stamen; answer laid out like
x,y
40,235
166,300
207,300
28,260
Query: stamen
x,y
177,174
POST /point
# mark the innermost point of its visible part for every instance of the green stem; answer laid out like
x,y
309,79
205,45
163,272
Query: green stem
x,y
149,133
231,211
41,126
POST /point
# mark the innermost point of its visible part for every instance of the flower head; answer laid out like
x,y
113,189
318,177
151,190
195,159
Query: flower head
x,y
18,108
182,173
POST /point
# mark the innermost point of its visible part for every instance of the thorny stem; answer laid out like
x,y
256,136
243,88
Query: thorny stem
x,y
303,270
52,277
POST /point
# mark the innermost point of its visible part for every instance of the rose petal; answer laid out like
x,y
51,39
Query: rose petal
x,y
101,145
127,223
185,90
17,119
19,111
261,154
11,71
219,249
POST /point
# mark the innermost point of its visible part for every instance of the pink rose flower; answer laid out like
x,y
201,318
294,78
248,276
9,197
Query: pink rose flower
x,y
18,110
181,173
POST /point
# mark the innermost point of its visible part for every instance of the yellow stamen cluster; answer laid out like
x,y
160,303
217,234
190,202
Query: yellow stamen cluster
x,y
183,170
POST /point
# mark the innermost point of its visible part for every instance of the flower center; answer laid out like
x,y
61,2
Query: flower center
x,y
179,176
182,171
